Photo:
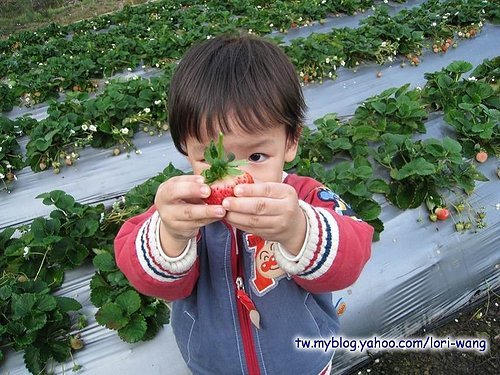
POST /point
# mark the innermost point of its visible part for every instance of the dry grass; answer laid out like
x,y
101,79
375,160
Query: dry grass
x,y
18,15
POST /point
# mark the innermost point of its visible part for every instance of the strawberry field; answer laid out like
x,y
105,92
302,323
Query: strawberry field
x,y
403,122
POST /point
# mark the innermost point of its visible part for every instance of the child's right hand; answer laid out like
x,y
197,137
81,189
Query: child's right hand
x,y
179,201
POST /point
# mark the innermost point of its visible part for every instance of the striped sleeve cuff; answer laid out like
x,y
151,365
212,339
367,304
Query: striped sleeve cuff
x,y
152,258
319,249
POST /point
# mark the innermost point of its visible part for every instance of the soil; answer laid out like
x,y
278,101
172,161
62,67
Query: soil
x,y
481,320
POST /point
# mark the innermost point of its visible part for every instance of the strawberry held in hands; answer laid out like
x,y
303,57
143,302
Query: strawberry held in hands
x,y
223,174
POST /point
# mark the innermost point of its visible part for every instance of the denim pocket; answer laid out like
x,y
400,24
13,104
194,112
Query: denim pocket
x,y
326,324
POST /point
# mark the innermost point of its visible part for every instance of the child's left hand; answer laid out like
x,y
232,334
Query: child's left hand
x,y
269,210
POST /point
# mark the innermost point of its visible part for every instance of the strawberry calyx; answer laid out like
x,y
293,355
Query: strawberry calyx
x,y
222,164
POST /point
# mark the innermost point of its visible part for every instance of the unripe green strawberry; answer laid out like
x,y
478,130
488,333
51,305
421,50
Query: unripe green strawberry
x,y
223,174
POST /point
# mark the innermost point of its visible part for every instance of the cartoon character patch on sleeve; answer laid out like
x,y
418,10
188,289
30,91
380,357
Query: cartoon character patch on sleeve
x,y
338,204
265,273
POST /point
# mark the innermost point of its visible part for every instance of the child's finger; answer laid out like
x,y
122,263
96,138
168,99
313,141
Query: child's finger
x,y
267,189
183,189
254,205
198,213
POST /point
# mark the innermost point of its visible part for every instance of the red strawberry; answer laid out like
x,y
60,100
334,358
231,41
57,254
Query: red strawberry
x,y
481,156
442,213
223,174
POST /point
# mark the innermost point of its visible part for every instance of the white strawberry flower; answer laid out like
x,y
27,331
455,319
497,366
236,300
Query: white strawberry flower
x,y
327,60
472,79
157,102
26,252
92,128
124,131
147,110
2,176
85,127
434,24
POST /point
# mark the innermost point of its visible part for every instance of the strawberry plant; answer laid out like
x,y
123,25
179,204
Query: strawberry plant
x,y
319,145
354,182
395,110
9,97
424,168
125,108
316,57
135,317
50,246
53,139
137,200
36,322
471,106
11,159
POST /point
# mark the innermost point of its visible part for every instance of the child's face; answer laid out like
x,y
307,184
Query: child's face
x,y
265,152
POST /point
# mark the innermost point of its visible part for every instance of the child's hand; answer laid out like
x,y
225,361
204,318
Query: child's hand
x,y
269,210
179,202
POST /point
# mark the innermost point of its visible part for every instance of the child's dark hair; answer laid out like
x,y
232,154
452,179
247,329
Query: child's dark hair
x,y
234,77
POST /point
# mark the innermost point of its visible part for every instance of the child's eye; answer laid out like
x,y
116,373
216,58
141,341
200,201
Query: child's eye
x,y
257,157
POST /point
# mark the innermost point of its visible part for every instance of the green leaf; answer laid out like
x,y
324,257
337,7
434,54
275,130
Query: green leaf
x,y
77,254
60,350
359,189
32,360
380,107
111,316
370,210
66,304
400,196
84,227
451,145
363,172
38,228
129,301
134,330
100,295
434,147
365,133
378,186
459,67
418,166
34,322
22,304
46,303
104,262
5,292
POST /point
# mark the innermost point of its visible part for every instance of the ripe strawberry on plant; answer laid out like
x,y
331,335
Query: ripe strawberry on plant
x,y
223,174
481,156
442,213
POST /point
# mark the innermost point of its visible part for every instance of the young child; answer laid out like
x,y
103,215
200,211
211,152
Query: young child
x,y
250,276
